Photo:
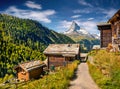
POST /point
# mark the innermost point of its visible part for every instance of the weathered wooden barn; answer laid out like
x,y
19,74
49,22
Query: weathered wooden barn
x,y
110,31
60,54
29,70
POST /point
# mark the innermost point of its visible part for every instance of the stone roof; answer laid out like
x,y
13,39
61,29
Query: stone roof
x,y
96,47
103,24
83,55
63,49
28,66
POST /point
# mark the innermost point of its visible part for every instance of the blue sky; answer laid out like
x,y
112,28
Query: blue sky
x,y
59,14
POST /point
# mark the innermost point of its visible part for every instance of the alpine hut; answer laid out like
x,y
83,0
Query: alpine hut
x,y
29,70
60,54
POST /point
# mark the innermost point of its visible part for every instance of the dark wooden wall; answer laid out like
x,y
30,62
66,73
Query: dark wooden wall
x,y
106,37
56,60
36,73
116,29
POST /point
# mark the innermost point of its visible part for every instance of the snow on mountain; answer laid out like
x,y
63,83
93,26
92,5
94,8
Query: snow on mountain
x,y
96,36
76,30
83,31
73,28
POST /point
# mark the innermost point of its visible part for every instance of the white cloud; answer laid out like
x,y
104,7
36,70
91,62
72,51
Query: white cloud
x,y
90,19
31,4
83,2
109,13
90,26
35,15
65,24
75,16
86,11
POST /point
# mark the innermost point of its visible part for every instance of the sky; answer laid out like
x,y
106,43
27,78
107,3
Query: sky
x,y
58,14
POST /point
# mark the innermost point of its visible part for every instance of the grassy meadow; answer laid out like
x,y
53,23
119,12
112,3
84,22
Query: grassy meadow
x,y
56,80
105,69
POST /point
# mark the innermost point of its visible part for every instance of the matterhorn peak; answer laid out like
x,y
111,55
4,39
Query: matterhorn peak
x,y
73,28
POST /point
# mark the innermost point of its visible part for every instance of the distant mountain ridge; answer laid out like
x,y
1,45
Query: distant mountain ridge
x,y
82,36
26,31
75,29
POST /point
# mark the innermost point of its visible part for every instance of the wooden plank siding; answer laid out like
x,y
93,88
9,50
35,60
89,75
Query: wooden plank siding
x,y
105,34
36,73
60,54
56,60
22,75
106,37
29,70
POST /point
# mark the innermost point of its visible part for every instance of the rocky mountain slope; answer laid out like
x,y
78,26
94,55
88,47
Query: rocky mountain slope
x,y
76,30
82,36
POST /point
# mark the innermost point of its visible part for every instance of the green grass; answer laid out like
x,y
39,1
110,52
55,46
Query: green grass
x,y
109,62
57,80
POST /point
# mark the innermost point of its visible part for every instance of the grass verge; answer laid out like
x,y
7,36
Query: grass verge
x,y
106,69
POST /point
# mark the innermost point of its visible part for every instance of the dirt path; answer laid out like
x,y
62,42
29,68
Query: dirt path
x,y
82,79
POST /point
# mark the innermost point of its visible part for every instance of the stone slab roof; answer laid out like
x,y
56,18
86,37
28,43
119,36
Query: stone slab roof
x,y
63,49
28,66
103,24
96,47
83,55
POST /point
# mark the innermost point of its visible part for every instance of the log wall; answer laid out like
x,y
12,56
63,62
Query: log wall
x,y
106,37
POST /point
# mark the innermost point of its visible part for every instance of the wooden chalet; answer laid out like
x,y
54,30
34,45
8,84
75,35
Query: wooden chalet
x,y
110,31
29,70
60,54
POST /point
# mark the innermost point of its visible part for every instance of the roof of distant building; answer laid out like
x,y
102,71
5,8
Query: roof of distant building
x,y
96,47
83,55
103,24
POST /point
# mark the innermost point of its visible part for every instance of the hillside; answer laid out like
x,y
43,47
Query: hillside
x,y
87,44
105,68
12,54
24,40
30,33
